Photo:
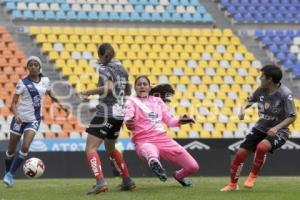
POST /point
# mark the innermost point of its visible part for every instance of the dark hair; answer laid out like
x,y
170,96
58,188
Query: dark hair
x,y
272,71
163,91
106,53
143,76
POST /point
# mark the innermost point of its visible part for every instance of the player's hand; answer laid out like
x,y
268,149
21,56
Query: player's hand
x,y
272,131
18,119
241,114
186,120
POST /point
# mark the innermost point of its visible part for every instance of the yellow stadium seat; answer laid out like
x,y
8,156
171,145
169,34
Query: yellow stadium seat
x,y
171,40
174,55
182,134
146,48
85,39
231,49
135,48
47,47
96,39
188,71
224,40
128,39
184,80
139,39
207,32
107,38
227,32
217,80
205,134
156,48
78,31
199,48
227,56
196,32
149,40
34,30
65,55
74,39
249,56
203,40
63,38
100,31
67,71
231,126
132,31
213,40
235,41
177,48
60,63
73,79
220,71
242,49
154,31
217,32
192,40
68,31
69,47
164,32
160,40
90,70
41,38
111,31
175,32
231,71
173,79
216,134
181,40
199,71
216,56
46,30
71,63
159,64
53,55
167,71
206,80
90,31
188,48
78,71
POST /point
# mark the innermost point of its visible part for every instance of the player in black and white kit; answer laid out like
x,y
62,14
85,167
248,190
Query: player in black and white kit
x,y
112,87
276,112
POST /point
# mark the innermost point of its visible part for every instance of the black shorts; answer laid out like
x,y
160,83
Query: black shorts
x,y
256,136
105,128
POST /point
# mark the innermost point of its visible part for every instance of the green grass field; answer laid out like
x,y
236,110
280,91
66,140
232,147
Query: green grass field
x,y
266,188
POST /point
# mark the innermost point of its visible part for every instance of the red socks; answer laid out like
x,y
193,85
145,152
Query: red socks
x,y
259,158
95,164
119,163
237,165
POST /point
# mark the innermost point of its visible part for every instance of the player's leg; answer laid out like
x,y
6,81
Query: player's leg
x,y
96,136
10,155
15,136
249,145
93,158
119,163
270,143
179,156
150,153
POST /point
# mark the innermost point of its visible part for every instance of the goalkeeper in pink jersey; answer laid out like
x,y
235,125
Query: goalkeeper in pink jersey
x,y
144,116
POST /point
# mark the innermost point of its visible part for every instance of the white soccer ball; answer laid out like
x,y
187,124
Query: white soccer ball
x,y
33,168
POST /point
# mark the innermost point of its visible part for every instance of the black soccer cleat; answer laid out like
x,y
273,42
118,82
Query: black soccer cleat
x,y
158,170
127,185
185,182
98,188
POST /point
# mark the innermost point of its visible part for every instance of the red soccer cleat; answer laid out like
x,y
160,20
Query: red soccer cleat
x,y
230,187
249,183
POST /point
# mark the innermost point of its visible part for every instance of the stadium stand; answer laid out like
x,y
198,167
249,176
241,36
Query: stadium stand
x,y
284,45
262,11
212,70
106,10
12,65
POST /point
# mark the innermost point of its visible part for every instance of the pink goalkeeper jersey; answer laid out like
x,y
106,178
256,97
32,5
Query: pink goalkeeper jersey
x,y
148,116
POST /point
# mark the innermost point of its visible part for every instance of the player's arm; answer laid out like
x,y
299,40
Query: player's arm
x,y
13,108
107,87
53,97
250,101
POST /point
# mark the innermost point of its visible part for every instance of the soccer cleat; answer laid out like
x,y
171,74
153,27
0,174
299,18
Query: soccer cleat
x,y
128,184
249,183
98,188
8,179
185,182
158,170
230,187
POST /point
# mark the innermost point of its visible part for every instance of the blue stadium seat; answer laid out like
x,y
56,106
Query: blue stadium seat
x,y
103,16
60,15
81,15
124,16
113,16
27,14
166,17
92,15
65,7
38,15
16,14
50,15
146,16
71,15
10,6
155,16
135,16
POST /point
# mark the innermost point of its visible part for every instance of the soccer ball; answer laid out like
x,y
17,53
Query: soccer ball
x,y
33,168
